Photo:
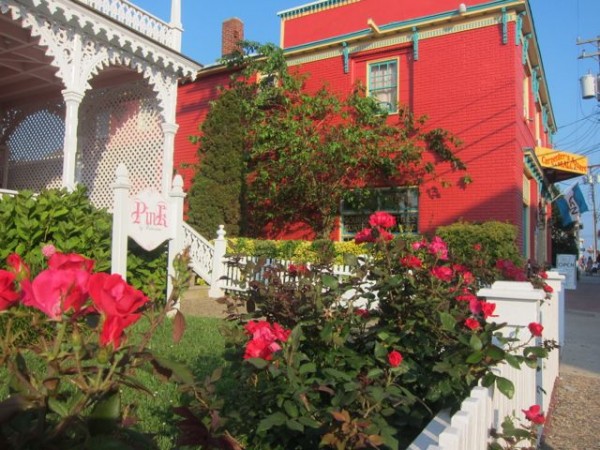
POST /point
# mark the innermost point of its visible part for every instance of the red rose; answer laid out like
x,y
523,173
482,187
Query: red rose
x,y
361,312
487,309
547,288
364,235
536,329
55,292
18,266
472,323
534,415
477,247
382,219
113,328
294,270
411,262
394,358
8,294
70,261
264,339
384,235
112,296
466,297
442,273
543,275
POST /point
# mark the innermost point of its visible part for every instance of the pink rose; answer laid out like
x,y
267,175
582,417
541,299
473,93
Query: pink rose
x,y
112,296
48,250
113,329
535,415
70,261
411,262
394,358
55,292
536,329
472,323
264,339
418,245
382,219
442,273
438,248
8,294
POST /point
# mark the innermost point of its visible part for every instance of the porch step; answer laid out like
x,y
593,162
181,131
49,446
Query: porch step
x,y
196,302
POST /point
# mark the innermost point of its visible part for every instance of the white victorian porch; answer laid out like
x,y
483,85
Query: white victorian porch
x,y
86,85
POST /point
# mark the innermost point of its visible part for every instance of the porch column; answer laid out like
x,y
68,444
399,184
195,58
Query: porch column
x,y
72,101
169,131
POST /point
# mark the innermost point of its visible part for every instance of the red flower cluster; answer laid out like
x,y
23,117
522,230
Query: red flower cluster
x,y
443,273
438,248
266,339
65,288
299,269
395,358
536,329
510,271
411,262
534,414
378,221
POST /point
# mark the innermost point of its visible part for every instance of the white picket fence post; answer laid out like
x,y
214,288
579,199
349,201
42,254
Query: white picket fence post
x,y
176,198
553,320
218,264
517,304
121,188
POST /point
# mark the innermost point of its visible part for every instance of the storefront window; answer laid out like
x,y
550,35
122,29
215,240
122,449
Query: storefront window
x,y
402,203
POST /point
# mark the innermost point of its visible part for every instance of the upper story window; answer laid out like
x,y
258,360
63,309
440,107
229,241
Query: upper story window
x,y
383,83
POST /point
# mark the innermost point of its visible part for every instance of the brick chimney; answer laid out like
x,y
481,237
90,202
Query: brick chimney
x,y
233,32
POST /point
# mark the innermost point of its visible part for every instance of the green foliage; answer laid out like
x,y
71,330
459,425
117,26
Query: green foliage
x,y
482,245
70,222
369,359
216,196
305,152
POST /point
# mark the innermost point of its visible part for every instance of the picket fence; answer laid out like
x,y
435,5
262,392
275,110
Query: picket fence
x,y
517,304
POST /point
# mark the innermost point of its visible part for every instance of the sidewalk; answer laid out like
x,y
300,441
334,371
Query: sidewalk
x,y
574,418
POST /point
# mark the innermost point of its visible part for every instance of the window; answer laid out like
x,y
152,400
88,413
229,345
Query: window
x,y
383,83
402,203
526,98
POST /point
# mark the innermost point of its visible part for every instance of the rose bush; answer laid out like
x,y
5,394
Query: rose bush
x,y
65,382
370,358
517,434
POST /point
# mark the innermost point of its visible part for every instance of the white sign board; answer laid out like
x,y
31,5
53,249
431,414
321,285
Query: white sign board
x,y
567,266
149,219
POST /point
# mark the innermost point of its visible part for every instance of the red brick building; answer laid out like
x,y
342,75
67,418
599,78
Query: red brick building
x,y
475,70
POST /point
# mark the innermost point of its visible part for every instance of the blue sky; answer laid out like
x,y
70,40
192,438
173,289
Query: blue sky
x,y
558,25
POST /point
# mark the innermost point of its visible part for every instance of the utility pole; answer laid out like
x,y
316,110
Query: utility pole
x,y
590,88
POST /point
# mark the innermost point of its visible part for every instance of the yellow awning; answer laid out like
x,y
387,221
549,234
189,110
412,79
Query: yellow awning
x,y
560,166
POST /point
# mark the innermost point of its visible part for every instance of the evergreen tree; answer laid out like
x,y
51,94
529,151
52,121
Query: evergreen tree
x,y
216,196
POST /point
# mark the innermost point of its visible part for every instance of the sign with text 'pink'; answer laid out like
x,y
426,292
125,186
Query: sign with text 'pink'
x,y
149,219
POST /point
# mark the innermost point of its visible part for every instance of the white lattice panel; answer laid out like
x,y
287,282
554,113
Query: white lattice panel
x,y
35,147
119,125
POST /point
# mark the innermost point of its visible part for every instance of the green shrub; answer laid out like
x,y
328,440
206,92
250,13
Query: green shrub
x,y
70,222
482,245
296,251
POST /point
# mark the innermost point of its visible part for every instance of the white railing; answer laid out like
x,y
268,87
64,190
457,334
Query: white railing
x,y
8,192
517,304
202,253
135,18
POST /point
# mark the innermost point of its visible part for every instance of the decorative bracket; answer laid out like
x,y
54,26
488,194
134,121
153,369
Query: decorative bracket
x,y
519,29
526,46
346,55
504,26
415,39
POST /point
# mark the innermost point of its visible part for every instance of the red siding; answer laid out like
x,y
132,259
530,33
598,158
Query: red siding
x,y
353,17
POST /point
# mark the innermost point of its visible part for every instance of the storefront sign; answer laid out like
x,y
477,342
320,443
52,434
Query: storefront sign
x,y
567,266
568,162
